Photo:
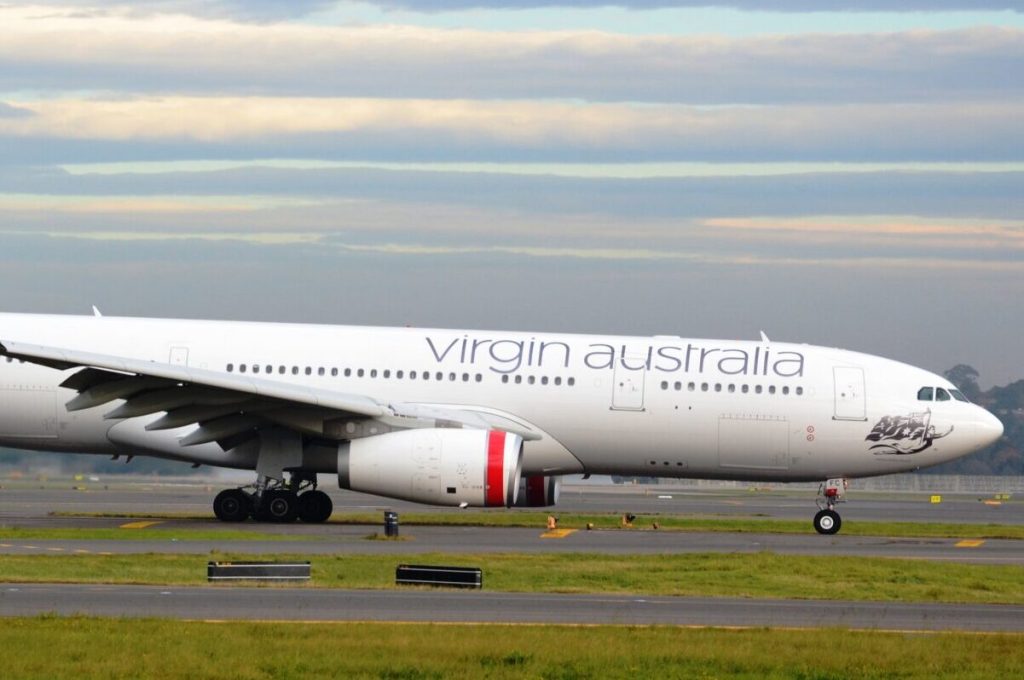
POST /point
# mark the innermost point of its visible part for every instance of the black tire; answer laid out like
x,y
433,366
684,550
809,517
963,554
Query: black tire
x,y
827,522
315,507
232,505
279,506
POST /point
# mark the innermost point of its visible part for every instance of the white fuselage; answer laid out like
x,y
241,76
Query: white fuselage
x,y
653,406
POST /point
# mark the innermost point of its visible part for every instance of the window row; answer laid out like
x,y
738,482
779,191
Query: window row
x,y
731,388
532,379
386,373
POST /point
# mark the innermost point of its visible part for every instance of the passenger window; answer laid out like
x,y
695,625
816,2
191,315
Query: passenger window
x,y
799,391
664,384
295,370
519,379
373,372
504,378
941,394
925,394
255,368
241,368
959,396
320,371
744,389
703,387
758,389
334,373
572,381
531,379
771,389
400,374
732,388
558,381
231,367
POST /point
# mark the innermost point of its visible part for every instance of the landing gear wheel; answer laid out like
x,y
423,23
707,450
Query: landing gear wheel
x,y
232,505
827,522
278,505
315,507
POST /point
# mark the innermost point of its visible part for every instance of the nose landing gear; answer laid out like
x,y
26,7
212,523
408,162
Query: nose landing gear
x,y
830,493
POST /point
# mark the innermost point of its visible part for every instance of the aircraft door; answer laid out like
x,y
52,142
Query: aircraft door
x,y
850,403
628,385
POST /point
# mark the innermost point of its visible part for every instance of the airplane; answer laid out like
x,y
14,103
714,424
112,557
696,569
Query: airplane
x,y
468,418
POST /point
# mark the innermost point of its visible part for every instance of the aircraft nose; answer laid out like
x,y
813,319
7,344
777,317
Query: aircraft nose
x,y
988,428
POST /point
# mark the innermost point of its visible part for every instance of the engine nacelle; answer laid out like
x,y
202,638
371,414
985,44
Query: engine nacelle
x,y
450,467
538,491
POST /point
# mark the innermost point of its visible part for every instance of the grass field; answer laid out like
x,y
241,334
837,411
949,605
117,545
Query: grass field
x,y
715,574
537,520
50,647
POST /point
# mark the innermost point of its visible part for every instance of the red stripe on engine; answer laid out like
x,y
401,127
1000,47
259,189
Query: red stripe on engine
x,y
494,477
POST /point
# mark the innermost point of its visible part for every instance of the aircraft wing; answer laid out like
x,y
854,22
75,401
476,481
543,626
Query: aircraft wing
x,y
229,408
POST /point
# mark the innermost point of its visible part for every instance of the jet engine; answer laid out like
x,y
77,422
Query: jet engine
x,y
453,467
539,491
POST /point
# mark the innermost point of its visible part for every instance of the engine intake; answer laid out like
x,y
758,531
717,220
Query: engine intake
x,y
452,467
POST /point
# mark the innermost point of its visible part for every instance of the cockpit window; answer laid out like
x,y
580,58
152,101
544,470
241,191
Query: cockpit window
x,y
925,394
958,395
941,395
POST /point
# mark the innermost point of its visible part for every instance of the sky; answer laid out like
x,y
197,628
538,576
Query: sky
x,y
845,173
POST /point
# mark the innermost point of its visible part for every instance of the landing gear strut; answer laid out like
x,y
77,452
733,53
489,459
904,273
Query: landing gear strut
x,y
830,493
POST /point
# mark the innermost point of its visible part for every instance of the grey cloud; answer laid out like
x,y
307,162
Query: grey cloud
x,y
988,195
744,5
9,111
954,65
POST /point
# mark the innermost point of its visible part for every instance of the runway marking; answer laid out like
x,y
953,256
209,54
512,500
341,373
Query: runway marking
x,y
557,533
105,553
6,545
970,543
138,525
56,549
82,552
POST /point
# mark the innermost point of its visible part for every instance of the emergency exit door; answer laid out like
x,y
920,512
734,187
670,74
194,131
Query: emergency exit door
x,y
850,400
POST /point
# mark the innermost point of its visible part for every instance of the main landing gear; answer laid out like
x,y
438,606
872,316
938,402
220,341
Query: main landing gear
x,y
830,493
284,503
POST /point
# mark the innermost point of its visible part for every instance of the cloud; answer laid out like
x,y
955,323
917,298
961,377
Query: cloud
x,y
743,5
391,129
374,196
8,111
179,54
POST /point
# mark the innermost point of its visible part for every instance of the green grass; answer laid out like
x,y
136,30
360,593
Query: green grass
x,y
538,520
155,533
715,574
49,647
